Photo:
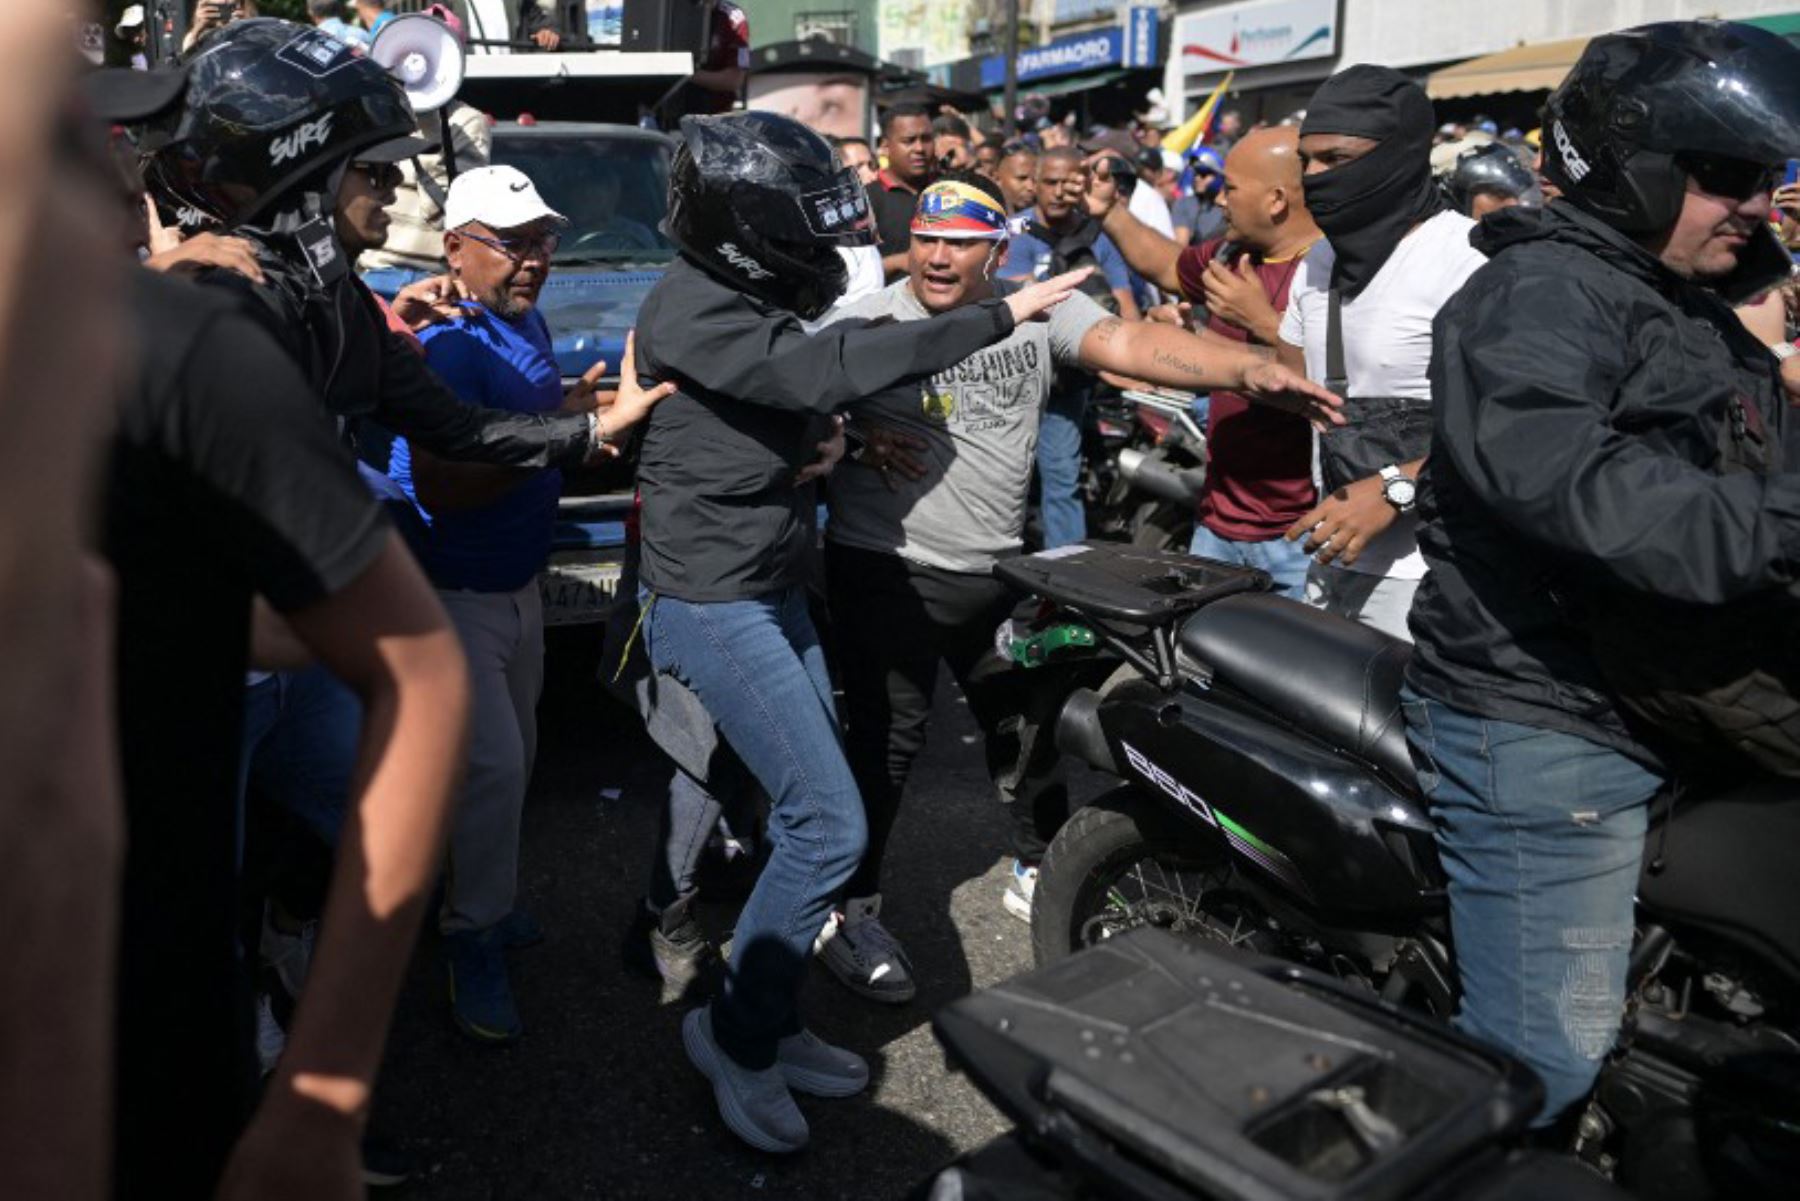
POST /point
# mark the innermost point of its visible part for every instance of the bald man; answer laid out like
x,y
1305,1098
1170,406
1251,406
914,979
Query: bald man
x,y
1259,475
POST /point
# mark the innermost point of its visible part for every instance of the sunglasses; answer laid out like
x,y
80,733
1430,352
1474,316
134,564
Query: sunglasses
x,y
382,177
1732,178
522,247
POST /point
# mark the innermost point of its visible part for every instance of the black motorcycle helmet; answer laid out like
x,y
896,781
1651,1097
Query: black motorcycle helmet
x,y
1492,168
271,104
1642,103
762,203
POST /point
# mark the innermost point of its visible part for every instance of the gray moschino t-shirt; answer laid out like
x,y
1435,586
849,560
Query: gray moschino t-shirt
x,y
979,421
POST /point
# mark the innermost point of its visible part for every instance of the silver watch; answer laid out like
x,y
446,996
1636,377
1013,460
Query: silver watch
x,y
1398,489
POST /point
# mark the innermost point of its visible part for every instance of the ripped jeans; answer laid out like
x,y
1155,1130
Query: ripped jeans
x,y
1541,835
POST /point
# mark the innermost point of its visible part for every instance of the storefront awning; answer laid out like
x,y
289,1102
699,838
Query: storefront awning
x,y
1074,83
1521,69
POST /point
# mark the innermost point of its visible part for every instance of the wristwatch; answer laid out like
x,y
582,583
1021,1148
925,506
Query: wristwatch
x,y
1398,489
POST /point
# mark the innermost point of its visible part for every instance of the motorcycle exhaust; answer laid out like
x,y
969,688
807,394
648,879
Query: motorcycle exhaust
x,y
1079,733
1146,474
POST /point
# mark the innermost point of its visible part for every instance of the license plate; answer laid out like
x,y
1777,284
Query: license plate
x,y
575,592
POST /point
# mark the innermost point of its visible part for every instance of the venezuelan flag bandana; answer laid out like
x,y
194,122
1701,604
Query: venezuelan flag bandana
x,y
951,209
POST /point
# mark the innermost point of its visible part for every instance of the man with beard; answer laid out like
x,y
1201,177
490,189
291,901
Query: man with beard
x,y
1611,479
486,536
1359,321
1259,460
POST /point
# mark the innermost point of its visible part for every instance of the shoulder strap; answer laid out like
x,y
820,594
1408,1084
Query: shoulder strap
x,y
1336,377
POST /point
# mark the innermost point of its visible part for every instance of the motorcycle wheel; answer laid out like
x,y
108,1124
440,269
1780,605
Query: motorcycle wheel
x,y
1124,861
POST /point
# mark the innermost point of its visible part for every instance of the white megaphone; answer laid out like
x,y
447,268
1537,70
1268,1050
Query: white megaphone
x,y
426,58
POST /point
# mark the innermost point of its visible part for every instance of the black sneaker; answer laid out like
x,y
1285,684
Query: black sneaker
x,y
670,947
385,1165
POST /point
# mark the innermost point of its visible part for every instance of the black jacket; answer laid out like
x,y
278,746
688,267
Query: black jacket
x,y
1586,399
722,518
362,369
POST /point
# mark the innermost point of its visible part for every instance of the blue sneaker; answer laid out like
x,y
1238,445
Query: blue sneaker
x,y
481,1000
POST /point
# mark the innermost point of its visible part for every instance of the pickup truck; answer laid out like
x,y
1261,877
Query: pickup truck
x,y
611,181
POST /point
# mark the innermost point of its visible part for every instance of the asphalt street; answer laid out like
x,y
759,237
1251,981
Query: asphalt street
x,y
597,1100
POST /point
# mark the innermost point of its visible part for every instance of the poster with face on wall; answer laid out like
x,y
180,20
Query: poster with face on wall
x,y
833,105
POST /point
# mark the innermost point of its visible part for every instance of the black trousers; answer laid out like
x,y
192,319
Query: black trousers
x,y
894,622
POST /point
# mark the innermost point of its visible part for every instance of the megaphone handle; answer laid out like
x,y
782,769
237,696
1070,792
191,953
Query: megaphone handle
x,y
448,135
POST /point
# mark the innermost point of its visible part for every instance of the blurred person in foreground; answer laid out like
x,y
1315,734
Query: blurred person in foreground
x,y
920,519
1259,459
1358,320
62,838
1612,515
217,494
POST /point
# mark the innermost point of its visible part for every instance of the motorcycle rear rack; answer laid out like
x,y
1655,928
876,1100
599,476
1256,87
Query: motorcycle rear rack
x,y
1150,591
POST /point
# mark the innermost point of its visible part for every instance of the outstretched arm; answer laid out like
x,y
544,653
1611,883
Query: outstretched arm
x,y
1174,358
731,348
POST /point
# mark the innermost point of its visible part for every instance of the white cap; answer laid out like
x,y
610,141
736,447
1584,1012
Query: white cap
x,y
498,197
130,19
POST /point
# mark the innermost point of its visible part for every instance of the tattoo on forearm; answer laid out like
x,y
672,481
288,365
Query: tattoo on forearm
x,y
1107,330
1266,353
1175,362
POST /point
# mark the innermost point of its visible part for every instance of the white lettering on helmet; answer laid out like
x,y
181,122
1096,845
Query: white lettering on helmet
x,y
744,262
294,144
1576,166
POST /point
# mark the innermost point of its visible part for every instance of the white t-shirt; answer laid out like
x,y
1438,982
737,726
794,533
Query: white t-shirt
x,y
1148,206
1387,341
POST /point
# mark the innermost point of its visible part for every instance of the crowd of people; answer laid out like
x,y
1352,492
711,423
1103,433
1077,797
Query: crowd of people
x,y
1504,410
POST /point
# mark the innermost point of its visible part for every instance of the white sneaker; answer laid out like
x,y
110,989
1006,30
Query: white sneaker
x,y
271,1039
1019,890
859,951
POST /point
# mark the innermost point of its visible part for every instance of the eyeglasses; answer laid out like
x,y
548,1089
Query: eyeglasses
x,y
382,177
1732,178
521,247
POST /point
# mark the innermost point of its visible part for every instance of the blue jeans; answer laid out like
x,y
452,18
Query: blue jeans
x,y
1059,467
1284,561
1541,835
300,736
758,668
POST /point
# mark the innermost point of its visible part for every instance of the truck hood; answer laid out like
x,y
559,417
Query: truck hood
x,y
590,310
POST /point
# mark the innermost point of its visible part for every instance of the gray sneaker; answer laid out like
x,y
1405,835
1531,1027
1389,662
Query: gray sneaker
x,y
756,1106
813,1066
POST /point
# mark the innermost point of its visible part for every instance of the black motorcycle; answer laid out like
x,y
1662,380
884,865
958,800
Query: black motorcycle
x,y
1268,804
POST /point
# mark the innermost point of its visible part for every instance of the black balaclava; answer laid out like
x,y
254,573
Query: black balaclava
x,y
1365,207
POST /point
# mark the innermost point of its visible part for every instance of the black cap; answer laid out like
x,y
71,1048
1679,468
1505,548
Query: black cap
x,y
121,96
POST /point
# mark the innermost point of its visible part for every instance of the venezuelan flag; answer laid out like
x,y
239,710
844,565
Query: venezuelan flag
x,y
1197,129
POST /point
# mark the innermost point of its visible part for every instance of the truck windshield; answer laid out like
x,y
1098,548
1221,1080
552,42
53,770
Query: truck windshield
x,y
613,190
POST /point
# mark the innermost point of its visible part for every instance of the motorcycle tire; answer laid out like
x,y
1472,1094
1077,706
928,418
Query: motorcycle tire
x,y
1117,829
1162,525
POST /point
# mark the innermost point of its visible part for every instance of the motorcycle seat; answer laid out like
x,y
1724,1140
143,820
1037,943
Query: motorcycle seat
x,y
1338,680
